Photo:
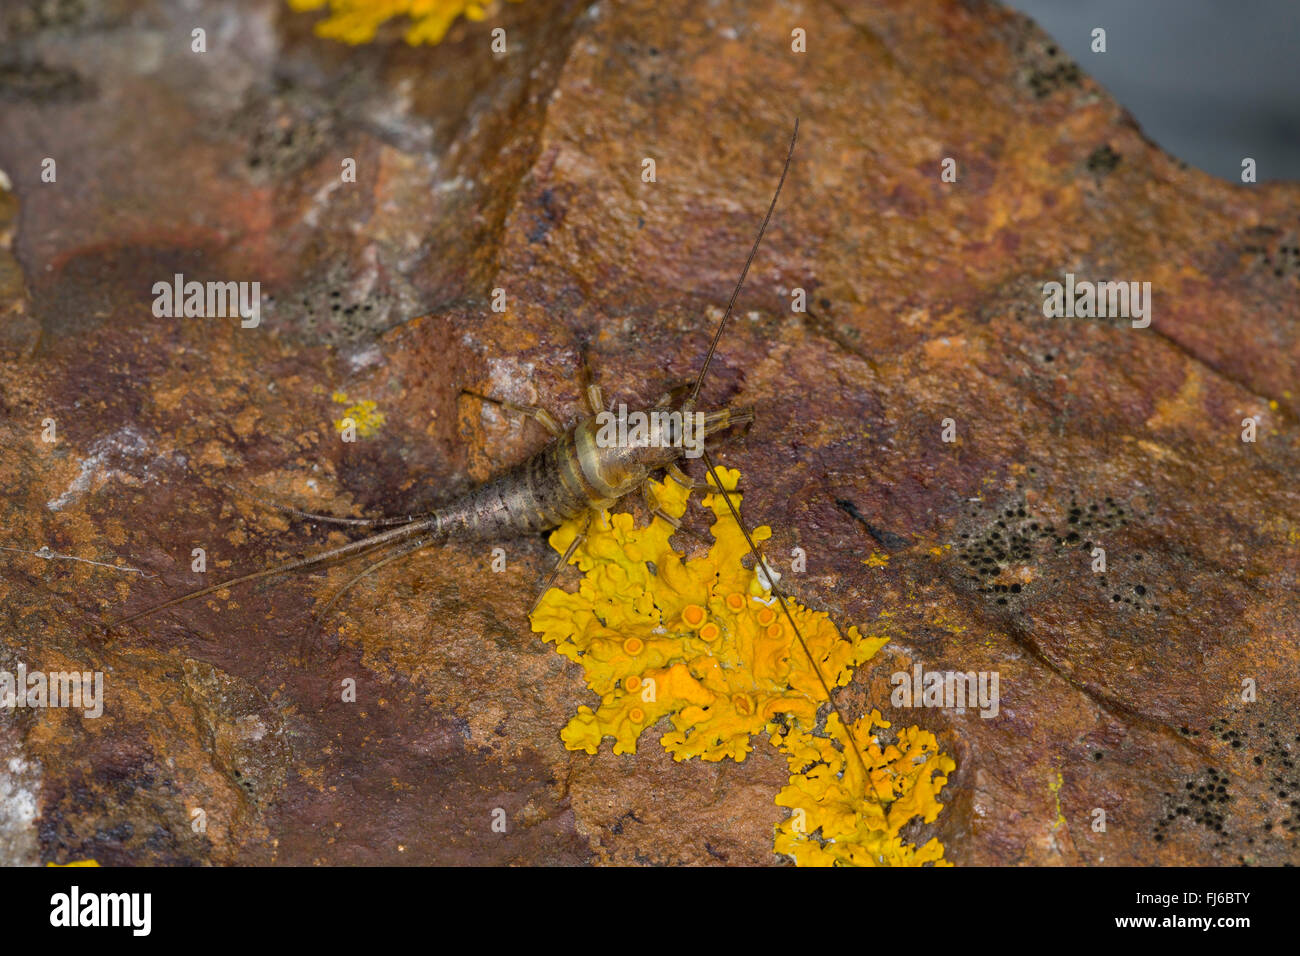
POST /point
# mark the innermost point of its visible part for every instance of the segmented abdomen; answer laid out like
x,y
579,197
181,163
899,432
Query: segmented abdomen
x,y
545,491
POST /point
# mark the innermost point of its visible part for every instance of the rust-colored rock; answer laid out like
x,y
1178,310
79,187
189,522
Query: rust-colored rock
x,y
1120,692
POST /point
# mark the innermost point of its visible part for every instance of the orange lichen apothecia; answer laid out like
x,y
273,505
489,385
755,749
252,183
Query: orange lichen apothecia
x,y
356,21
701,644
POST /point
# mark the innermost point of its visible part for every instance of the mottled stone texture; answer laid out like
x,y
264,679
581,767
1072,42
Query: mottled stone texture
x,y
1120,691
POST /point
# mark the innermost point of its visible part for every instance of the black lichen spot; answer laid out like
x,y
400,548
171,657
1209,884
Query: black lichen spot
x,y
1103,160
286,131
549,216
27,79
1004,538
1047,70
1271,250
1213,791
35,16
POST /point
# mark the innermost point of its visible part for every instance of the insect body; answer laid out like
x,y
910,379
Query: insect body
x,y
577,473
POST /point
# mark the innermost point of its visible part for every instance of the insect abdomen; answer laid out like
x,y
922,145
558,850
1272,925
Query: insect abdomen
x,y
552,486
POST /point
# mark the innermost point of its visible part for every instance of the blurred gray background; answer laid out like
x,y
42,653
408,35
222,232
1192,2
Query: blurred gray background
x,y
1211,81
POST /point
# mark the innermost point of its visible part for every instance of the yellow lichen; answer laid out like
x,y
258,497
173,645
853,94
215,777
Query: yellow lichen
x,y
838,820
1055,787
356,21
702,643
364,416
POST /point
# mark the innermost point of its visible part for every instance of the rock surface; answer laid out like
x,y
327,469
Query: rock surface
x,y
224,737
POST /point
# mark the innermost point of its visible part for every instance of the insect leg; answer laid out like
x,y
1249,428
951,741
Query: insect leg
x,y
713,422
539,415
725,418
591,391
653,506
580,537
690,484
670,397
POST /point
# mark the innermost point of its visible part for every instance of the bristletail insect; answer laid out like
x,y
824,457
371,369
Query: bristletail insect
x,y
573,475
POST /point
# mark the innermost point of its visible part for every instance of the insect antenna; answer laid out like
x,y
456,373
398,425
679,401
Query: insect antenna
x,y
735,293
761,563
726,495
